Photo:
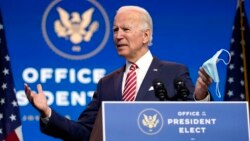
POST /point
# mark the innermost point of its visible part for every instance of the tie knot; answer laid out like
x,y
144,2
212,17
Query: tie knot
x,y
133,67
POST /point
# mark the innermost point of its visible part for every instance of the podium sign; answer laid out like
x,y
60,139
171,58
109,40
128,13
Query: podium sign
x,y
175,121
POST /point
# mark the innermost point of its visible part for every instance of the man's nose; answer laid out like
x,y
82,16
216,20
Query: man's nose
x,y
119,34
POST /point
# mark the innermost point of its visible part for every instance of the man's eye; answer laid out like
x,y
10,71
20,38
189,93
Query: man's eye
x,y
115,29
126,29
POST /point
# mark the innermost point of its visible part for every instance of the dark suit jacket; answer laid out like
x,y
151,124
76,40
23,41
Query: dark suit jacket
x,y
109,88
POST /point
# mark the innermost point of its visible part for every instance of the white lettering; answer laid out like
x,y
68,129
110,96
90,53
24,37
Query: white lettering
x,y
72,74
81,74
98,74
21,98
192,130
30,75
188,113
60,74
46,73
78,98
49,96
84,75
60,98
190,121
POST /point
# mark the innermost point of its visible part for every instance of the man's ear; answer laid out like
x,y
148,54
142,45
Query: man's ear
x,y
146,36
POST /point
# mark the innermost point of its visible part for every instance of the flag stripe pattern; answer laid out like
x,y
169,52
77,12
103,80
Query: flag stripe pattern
x,y
237,85
10,124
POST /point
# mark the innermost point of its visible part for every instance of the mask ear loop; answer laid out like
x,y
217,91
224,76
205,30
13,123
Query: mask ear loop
x,y
226,63
218,90
229,55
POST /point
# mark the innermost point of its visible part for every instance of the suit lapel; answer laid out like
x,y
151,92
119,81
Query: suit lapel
x,y
118,83
152,73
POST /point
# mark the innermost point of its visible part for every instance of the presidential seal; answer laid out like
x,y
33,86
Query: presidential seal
x,y
75,29
150,121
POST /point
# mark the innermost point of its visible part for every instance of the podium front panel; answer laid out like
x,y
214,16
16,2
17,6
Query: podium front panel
x,y
175,121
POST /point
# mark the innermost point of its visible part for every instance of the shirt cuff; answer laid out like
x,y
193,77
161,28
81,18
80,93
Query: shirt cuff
x,y
45,120
207,98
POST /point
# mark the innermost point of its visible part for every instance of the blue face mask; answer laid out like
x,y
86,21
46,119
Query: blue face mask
x,y
210,66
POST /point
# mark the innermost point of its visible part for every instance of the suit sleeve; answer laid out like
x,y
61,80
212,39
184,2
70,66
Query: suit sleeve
x,y
68,130
170,72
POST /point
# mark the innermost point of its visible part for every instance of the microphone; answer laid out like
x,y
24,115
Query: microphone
x,y
160,90
182,90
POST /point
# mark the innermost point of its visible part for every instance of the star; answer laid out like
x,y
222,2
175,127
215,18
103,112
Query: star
x,y
4,86
232,53
242,83
12,117
232,40
242,96
1,116
1,131
231,80
230,93
241,69
231,66
14,103
5,71
7,58
1,26
241,55
2,101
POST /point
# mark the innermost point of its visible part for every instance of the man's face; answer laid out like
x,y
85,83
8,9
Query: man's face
x,y
130,40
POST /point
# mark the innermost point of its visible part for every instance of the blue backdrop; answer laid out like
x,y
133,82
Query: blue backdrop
x,y
188,32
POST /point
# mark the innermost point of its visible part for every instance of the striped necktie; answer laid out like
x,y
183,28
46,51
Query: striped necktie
x,y
130,84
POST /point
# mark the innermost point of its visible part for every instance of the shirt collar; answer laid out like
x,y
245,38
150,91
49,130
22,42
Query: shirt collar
x,y
143,63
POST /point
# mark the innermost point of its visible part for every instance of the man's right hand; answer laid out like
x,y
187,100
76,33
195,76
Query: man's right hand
x,y
38,100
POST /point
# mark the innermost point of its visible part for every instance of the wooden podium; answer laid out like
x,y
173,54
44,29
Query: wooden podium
x,y
97,132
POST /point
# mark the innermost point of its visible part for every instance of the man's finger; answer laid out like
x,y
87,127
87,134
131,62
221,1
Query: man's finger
x,y
28,92
26,89
204,72
39,88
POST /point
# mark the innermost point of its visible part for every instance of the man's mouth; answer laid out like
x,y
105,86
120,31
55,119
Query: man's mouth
x,y
121,45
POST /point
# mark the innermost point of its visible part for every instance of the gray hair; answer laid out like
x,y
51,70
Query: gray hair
x,y
147,22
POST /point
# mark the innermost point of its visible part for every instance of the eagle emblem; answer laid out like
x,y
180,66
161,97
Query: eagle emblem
x,y
74,27
150,121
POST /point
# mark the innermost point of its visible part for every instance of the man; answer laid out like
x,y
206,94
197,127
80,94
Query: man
x,y
132,33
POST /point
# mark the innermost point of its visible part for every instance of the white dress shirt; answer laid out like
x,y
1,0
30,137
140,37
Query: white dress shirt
x,y
143,65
